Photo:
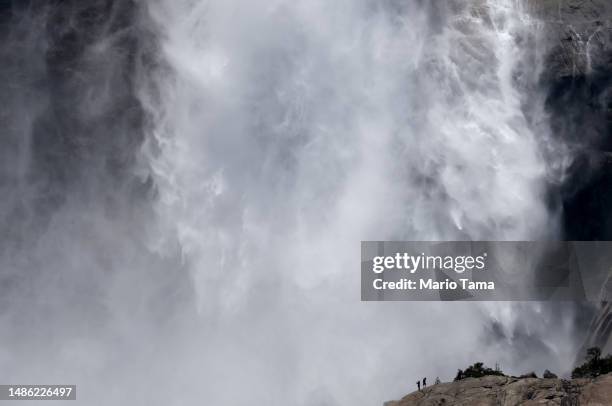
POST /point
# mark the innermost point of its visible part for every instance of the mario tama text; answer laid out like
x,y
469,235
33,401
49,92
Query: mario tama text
x,y
431,284
411,264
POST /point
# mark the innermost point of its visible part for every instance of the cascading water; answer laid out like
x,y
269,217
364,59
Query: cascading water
x,y
198,176
284,134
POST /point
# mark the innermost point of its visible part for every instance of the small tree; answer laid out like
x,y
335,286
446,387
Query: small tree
x,y
593,354
594,365
478,370
549,375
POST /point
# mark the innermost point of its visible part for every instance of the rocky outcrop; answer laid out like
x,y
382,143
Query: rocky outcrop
x,y
510,391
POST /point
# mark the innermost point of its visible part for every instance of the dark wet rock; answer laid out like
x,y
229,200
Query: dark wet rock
x,y
580,32
577,79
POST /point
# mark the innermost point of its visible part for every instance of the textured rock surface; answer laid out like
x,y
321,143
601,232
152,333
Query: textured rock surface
x,y
507,391
578,79
600,331
580,32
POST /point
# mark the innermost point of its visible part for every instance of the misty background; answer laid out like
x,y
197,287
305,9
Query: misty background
x,y
185,185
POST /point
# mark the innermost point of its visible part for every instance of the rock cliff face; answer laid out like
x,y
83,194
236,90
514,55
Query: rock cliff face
x,y
580,32
577,78
508,391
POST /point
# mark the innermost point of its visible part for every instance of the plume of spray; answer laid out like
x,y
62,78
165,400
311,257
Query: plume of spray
x,y
288,132
215,256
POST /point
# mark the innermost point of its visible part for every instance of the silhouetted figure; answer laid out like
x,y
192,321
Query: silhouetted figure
x,y
419,385
424,382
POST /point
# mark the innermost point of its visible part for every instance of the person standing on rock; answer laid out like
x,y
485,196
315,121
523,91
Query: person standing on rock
x,y
419,385
424,382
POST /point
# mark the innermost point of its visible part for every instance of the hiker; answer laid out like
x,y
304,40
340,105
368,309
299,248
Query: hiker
x,y
419,385
437,382
424,382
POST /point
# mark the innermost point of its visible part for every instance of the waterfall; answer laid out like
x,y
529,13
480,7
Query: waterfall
x,y
285,133
187,184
